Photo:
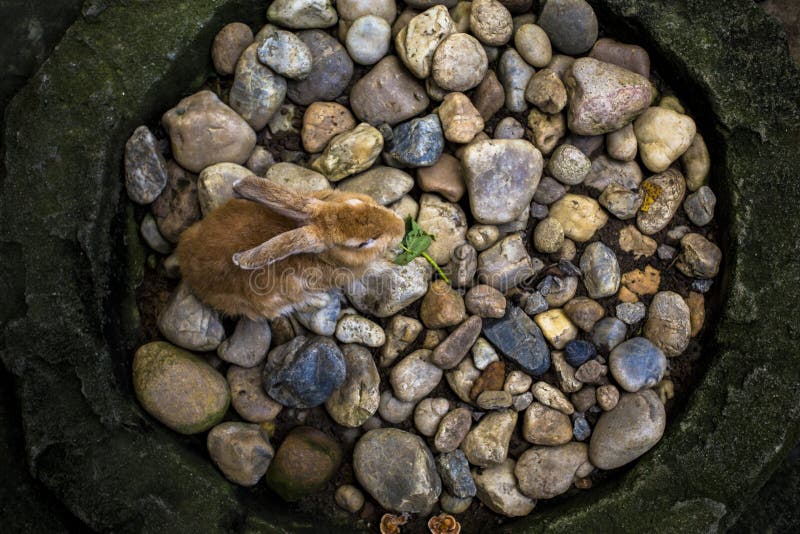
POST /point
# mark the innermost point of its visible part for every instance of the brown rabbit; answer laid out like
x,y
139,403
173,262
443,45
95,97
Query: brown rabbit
x,y
280,250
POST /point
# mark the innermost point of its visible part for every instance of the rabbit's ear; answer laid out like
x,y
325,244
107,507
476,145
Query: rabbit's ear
x,y
276,197
300,240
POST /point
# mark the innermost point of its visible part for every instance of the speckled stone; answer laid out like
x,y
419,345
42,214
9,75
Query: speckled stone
x,y
416,143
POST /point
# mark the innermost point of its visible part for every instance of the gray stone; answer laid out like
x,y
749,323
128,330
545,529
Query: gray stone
x,y
189,323
452,350
357,399
514,74
416,143
384,184
215,185
601,274
665,192
453,469
321,319
386,288
452,430
548,191
145,168
354,328
608,332
568,165
248,397
620,201
241,451
429,413
699,257
257,92
699,206
331,70
606,171
509,128
302,14
401,332
284,53
177,207
297,178
668,325
507,264
368,39
497,489
459,63
387,94
462,266
490,22
545,472
248,345
631,312
520,340
393,410
571,25
415,376
151,235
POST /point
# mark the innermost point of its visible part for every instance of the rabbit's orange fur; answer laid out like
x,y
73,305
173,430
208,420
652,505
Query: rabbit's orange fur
x,y
339,219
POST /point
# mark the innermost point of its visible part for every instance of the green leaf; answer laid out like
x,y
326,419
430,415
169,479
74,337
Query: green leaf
x,y
414,244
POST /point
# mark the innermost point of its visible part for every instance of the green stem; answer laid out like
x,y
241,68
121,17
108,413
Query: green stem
x,y
436,266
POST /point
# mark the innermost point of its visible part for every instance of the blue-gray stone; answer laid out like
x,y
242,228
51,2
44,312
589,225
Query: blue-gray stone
x,y
608,332
601,274
535,303
637,364
453,468
417,143
520,340
577,352
699,206
702,286
569,268
304,372
331,70
581,429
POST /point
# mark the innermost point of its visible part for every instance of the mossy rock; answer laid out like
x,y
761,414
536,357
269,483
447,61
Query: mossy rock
x,y
71,269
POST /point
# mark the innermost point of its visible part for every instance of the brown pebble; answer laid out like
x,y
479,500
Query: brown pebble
x,y
433,337
584,399
584,312
228,45
607,397
583,483
452,350
489,96
591,372
442,306
697,311
485,301
461,121
322,122
443,177
492,379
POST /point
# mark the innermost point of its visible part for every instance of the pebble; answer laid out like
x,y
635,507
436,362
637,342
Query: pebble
x,y
151,235
604,97
460,15
637,364
546,130
568,165
357,399
677,233
501,176
296,177
591,372
494,400
322,122
489,96
608,333
492,379
229,43
577,352
497,489
248,345
621,144
417,42
564,373
697,311
302,14
663,136
546,91
459,63
509,128
517,383
696,163
387,94
442,306
629,430
601,273
631,57
452,504
485,301
533,44
487,443
257,92
514,74
556,327
490,21
331,70
241,451
349,498
571,25
584,399
429,413
584,312
204,131
545,472
580,216
483,354
631,312
607,397
452,350
321,319
350,10
606,171
668,324
548,191
460,120
350,152
393,410
397,469
401,332
666,252
415,376
581,428
461,270
521,402
417,143
448,223
453,469
702,286
190,324
145,168
304,463
215,185
542,425
368,39
304,372
384,184
483,236
520,340
663,194
284,53
248,397
699,206
548,236
462,378
453,428
387,288
642,282
620,201
552,397
177,207
443,177
178,388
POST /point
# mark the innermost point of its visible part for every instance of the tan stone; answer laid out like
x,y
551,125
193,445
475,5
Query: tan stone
x,y
642,282
461,121
322,122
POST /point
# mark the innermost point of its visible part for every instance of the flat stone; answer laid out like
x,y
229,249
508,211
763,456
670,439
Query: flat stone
x,y
485,301
520,340
699,206
552,397
620,201
443,177
638,244
489,96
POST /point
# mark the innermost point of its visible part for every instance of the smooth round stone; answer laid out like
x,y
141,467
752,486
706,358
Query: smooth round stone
x,y
384,184
304,372
561,291
546,91
357,399
145,167
302,14
668,323
415,376
257,92
331,70
452,350
483,354
443,177
151,235
548,236
393,410
699,257
459,63
533,44
357,329
496,488
487,443
542,425
622,144
350,152
417,143
177,207
241,451
568,165
297,178
248,345
304,463
228,45
448,223
620,201
501,177
490,21
204,131
397,469
696,163
514,74
663,136
637,364
483,236
215,185
608,332
606,171
387,94
580,216
350,10
248,397
571,25
388,288
631,57
190,324
699,206
494,400
322,122
178,388
577,352
429,413
417,42
349,498
442,306
663,194
545,472
453,468
628,431
460,119
631,312
284,53
584,312
452,430
509,128
368,39
601,273
584,399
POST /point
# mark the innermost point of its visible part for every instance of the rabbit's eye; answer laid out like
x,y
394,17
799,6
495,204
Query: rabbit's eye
x,y
367,243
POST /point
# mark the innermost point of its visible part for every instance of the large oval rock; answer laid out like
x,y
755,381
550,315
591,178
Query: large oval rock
x,y
241,451
663,194
304,372
189,323
331,70
600,268
487,443
604,97
305,462
397,469
668,323
637,364
204,131
388,94
358,397
257,92
501,177
496,487
545,472
178,388
628,431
